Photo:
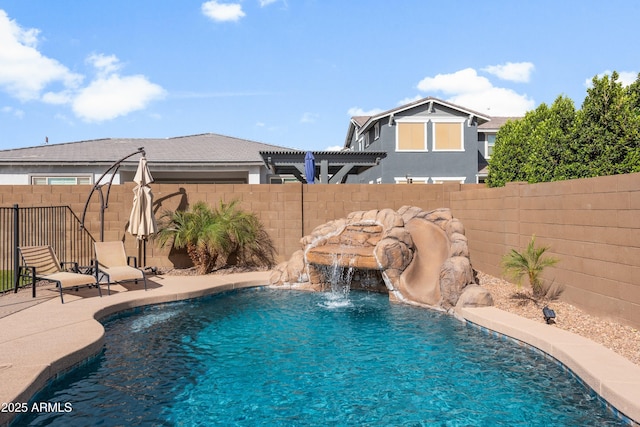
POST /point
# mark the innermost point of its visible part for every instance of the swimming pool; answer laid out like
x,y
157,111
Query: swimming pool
x,y
266,357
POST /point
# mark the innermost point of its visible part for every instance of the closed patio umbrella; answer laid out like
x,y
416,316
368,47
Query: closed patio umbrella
x,y
309,167
142,223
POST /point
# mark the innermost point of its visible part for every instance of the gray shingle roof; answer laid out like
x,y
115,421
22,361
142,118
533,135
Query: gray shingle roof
x,y
204,148
496,123
366,121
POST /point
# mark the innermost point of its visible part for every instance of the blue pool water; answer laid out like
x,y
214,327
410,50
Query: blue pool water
x,y
269,358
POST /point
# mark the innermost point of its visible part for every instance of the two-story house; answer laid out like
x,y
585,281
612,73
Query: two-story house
x,y
426,141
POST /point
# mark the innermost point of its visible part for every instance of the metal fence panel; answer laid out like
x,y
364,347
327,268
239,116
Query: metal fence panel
x,y
56,226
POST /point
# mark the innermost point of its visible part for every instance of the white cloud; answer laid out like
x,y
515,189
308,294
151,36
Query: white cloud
x,y
104,64
58,98
334,148
24,71
627,77
495,102
357,111
64,118
109,97
513,71
16,112
462,81
467,89
309,118
222,12
264,3
624,77
406,101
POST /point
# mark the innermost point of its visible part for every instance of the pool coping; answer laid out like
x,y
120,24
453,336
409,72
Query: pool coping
x,y
41,342
614,378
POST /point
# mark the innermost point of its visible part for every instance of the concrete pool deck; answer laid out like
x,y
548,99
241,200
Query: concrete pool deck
x,y
40,341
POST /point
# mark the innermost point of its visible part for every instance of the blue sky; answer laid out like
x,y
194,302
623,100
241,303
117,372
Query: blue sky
x,y
290,72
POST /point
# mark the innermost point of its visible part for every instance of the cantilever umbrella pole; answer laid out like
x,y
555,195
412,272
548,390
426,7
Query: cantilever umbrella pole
x,y
98,186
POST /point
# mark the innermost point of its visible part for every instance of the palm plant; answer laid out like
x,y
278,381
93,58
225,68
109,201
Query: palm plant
x,y
239,237
529,263
215,237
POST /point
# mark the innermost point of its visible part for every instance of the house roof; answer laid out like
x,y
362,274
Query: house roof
x,y
361,123
193,149
426,101
496,123
360,120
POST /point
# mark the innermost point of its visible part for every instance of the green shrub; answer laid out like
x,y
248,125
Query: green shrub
x,y
530,263
217,237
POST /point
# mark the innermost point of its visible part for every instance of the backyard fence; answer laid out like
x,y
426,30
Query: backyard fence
x,y
56,226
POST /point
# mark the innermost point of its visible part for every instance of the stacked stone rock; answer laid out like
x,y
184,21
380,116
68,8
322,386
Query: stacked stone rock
x,y
382,240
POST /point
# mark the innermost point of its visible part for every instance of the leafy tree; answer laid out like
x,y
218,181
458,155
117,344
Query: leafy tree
x,y
530,263
216,237
550,141
605,133
632,158
530,149
548,144
509,154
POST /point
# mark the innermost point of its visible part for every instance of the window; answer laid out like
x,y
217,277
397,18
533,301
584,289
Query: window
x,y
376,131
443,179
282,179
60,180
411,180
411,136
448,136
491,142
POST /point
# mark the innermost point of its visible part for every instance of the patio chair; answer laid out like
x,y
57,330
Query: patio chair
x,y
115,265
41,263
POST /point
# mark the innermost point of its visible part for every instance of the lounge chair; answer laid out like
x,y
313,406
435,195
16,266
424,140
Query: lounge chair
x,y
41,263
114,264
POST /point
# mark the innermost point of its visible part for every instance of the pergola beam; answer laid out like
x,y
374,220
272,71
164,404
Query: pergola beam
x,y
331,166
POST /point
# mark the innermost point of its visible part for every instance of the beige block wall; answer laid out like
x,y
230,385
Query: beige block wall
x,y
592,225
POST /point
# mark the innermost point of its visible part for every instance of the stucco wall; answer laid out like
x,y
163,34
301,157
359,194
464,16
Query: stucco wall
x,y
413,164
592,225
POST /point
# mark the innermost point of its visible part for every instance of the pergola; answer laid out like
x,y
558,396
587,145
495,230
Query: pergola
x,y
331,167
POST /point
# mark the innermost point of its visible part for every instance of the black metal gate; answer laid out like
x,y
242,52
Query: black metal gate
x,y
56,226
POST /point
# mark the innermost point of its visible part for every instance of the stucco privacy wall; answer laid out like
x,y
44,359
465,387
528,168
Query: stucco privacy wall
x,y
592,225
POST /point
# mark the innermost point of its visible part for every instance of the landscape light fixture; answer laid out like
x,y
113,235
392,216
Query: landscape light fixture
x,y
549,315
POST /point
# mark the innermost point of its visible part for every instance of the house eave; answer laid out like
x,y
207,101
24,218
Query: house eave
x,y
429,100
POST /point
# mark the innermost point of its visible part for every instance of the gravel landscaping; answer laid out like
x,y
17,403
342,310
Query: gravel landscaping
x,y
622,339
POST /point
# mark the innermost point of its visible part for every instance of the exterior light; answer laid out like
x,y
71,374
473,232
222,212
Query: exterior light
x,y
549,315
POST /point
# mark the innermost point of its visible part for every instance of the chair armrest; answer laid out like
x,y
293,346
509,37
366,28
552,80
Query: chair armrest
x,y
98,272
31,274
74,266
135,261
90,269
26,271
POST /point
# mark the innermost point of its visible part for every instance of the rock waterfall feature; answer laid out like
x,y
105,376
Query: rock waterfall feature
x,y
416,256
